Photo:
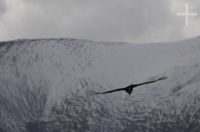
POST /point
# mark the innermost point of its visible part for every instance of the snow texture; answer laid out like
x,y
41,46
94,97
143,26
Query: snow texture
x,y
46,84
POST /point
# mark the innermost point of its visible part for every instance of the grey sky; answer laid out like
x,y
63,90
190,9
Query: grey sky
x,y
100,20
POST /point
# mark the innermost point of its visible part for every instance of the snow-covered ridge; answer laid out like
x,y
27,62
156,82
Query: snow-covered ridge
x,y
45,84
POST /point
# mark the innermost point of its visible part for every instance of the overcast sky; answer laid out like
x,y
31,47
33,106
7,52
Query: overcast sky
x,y
100,20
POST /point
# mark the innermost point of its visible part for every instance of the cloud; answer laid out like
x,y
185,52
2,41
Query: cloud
x,y
103,20
192,29
2,8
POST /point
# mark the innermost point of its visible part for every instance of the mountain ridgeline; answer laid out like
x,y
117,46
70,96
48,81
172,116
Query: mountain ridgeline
x,y
46,85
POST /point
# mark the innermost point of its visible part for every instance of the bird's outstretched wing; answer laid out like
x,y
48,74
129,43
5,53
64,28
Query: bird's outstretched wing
x,y
162,78
111,91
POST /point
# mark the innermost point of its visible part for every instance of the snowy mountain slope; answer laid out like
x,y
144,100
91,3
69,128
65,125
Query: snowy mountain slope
x,y
45,86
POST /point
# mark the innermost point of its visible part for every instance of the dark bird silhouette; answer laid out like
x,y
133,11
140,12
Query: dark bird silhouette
x,y
129,88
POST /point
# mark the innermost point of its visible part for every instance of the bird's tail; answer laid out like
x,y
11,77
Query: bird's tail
x,y
129,90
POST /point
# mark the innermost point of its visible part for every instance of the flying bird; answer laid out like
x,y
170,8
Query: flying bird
x,y
129,88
